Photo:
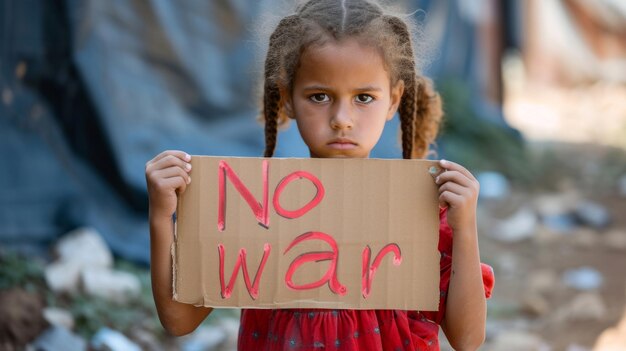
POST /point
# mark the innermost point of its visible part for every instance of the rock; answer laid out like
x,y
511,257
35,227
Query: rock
x,y
585,237
584,278
556,204
146,340
521,225
116,286
204,338
493,185
615,239
59,317
593,214
508,264
496,326
583,307
111,340
517,341
535,305
21,317
561,223
62,276
77,250
546,235
556,210
543,281
86,247
58,339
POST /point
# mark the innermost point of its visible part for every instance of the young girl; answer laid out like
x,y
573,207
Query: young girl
x,y
341,69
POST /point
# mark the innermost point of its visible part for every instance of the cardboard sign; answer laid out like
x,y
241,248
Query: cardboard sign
x,y
308,233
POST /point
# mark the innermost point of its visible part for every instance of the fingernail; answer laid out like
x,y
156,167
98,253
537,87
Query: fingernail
x,y
187,157
437,180
188,166
443,162
188,180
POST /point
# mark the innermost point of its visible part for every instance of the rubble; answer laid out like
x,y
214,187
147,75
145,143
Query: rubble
x,y
77,250
588,306
58,338
59,317
111,340
115,286
204,338
584,278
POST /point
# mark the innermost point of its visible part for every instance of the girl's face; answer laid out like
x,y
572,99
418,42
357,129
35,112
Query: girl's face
x,y
341,99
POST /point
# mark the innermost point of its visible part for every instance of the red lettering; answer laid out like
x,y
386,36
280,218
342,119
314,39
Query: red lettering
x,y
253,288
369,271
331,273
261,212
306,208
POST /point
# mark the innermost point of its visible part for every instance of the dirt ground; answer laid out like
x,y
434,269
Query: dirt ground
x,y
522,299
577,136
558,256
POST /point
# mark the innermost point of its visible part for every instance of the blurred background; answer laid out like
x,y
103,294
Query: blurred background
x,y
535,101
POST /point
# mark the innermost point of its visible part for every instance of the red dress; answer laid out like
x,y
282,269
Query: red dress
x,y
325,329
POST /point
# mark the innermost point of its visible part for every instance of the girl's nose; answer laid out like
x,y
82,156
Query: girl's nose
x,y
342,117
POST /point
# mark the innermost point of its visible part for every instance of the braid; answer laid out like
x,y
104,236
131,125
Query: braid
x,y
271,96
428,116
407,108
270,113
407,114
420,107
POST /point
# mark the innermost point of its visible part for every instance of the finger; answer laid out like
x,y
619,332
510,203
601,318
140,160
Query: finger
x,y
177,183
177,153
172,172
166,181
454,177
452,166
169,161
454,188
448,198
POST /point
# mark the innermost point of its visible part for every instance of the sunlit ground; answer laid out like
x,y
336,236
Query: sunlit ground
x,y
594,113
578,136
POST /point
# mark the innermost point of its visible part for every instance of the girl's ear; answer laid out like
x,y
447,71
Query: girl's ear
x,y
286,102
396,96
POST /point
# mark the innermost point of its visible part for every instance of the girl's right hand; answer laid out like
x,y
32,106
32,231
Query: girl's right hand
x,y
167,176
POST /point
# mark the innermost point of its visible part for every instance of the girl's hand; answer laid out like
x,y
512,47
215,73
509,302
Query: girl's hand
x,y
458,190
167,175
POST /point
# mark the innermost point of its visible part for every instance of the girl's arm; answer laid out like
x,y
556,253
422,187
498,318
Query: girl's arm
x,y
466,308
167,175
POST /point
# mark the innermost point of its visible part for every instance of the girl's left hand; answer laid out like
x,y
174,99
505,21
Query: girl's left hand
x,y
458,190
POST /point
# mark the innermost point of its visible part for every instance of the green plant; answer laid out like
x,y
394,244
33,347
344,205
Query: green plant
x,y
476,142
19,271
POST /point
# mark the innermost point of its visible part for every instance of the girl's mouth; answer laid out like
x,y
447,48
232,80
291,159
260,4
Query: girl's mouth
x,y
342,144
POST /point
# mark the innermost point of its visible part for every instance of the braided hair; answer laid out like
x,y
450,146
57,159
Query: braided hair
x,y
319,21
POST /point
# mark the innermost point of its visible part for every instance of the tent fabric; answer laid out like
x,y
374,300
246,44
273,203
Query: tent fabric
x,y
91,90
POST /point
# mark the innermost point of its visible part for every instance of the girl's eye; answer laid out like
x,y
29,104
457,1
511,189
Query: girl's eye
x,y
364,98
321,97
